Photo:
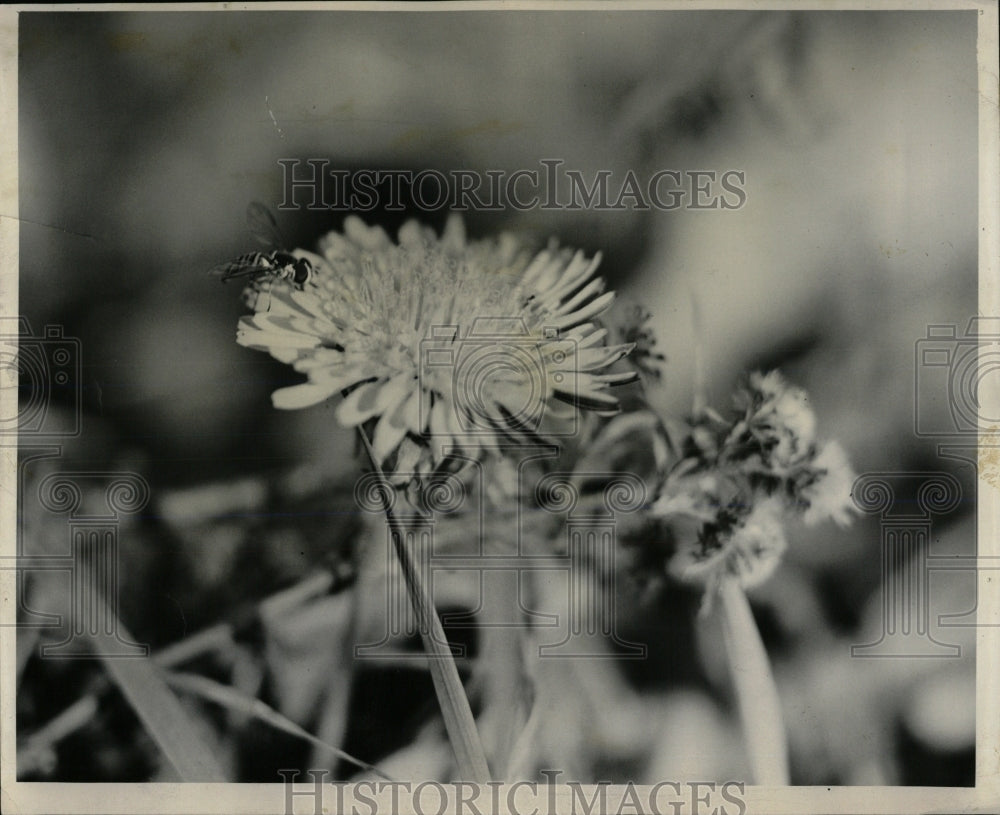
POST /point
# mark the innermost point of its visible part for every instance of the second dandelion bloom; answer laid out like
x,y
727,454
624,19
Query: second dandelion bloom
x,y
444,344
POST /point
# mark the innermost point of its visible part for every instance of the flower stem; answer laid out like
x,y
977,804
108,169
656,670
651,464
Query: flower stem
x,y
756,693
455,710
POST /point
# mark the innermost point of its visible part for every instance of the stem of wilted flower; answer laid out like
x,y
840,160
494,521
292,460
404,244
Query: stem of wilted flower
x,y
756,693
454,704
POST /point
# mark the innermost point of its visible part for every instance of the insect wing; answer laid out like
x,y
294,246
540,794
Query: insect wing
x,y
244,266
263,226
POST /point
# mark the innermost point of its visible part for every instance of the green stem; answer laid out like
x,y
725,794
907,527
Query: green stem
x,y
756,693
454,704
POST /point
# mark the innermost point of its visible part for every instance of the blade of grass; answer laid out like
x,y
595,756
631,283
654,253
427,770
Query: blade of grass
x,y
455,710
334,715
40,745
234,700
215,638
162,715
756,693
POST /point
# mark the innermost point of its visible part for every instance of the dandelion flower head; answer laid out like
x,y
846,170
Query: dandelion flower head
x,y
443,344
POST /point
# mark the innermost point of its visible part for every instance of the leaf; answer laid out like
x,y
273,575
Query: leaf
x,y
234,700
162,714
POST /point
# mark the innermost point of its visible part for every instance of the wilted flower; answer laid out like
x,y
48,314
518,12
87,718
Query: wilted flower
x,y
749,550
736,481
696,497
634,328
463,344
828,494
778,418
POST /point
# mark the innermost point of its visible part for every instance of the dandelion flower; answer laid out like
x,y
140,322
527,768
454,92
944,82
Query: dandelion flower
x,y
443,344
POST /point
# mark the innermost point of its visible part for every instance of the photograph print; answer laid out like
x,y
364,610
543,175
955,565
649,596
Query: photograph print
x,y
453,408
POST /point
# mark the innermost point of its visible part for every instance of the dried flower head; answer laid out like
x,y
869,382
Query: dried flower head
x,y
634,328
749,549
778,418
827,491
736,481
442,343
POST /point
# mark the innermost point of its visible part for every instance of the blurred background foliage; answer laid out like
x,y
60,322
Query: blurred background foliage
x,y
143,137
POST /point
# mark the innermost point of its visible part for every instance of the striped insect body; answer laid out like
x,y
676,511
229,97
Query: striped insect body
x,y
262,268
278,265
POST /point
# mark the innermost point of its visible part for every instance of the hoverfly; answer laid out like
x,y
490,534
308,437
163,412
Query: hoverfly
x,y
274,264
